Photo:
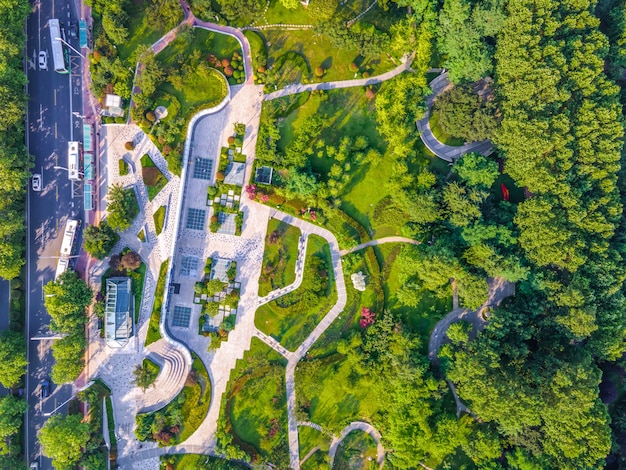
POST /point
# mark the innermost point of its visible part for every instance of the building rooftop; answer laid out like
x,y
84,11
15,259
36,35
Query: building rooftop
x,y
118,311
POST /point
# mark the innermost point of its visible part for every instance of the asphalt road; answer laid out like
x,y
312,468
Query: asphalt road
x,y
52,99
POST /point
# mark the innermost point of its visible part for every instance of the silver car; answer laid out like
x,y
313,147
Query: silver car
x,y
43,60
37,182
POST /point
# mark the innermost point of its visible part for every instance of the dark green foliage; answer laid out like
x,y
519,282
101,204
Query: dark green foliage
x,y
362,37
12,411
122,207
64,438
99,240
66,300
12,358
14,160
241,12
462,113
477,170
69,358
145,374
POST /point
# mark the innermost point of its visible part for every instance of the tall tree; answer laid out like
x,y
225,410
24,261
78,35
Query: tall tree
x,y
63,439
12,358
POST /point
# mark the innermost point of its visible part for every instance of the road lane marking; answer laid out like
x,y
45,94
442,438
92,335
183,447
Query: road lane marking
x,y
55,130
57,197
55,97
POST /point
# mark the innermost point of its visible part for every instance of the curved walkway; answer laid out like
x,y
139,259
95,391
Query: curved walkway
x,y
499,289
300,88
302,244
358,426
443,151
307,227
171,378
379,241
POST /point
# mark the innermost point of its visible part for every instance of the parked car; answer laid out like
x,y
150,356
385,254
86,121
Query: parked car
x,y
34,465
37,182
43,60
74,29
45,388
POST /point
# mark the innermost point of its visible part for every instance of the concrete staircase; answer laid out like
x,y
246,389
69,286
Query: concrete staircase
x,y
171,379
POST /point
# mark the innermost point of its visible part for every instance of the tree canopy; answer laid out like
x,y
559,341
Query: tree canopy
x,y
63,439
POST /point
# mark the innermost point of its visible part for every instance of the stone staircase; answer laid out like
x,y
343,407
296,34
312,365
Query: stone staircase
x,y
171,379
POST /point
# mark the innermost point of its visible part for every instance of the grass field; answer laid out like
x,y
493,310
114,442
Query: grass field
x,y
200,462
159,219
355,452
154,334
197,400
279,257
255,408
154,180
309,439
152,369
142,33
291,318
123,167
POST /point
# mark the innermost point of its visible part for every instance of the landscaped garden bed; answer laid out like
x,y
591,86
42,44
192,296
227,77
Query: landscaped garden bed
x,y
279,257
178,420
154,180
253,417
159,219
154,333
292,317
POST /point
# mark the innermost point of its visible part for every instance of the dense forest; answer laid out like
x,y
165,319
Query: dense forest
x,y
532,377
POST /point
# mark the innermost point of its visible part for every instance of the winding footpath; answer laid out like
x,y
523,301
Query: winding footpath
x,y
358,426
300,87
379,241
443,151
499,289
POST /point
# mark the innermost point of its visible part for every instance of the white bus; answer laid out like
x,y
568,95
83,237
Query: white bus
x,y
73,168
67,245
58,51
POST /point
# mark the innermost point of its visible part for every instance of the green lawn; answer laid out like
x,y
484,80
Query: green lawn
x,y
309,439
159,219
279,257
123,167
441,135
255,410
355,451
152,368
319,52
154,180
181,417
291,318
200,462
154,334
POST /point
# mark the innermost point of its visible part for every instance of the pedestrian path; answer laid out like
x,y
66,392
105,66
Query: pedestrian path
x,y
302,244
448,153
301,87
358,426
379,241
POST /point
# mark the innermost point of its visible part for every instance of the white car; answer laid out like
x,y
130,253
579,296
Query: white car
x,y
43,60
37,182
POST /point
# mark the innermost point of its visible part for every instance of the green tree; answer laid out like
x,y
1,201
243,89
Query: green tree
x,y
145,374
12,358
69,358
66,300
12,412
63,439
477,170
99,240
462,113
122,207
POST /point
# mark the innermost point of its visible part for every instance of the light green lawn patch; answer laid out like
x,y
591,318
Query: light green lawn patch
x,y
159,219
197,400
335,395
152,369
319,52
318,461
154,334
279,257
255,409
441,135
200,462
291,318
309,438
138,278
355,451
142,235
123,166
